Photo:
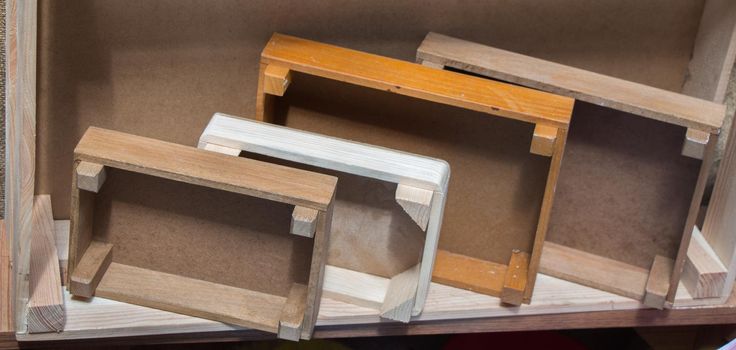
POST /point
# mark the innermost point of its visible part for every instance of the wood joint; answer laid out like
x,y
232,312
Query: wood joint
x,y
91,268
514,282
291,320
400,296
704,275
90,176
695,142
416,202
543,141
658,282
276,80
303,221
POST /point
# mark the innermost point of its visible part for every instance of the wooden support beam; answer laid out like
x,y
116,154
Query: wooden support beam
x,y
400,296
695,142
88,273
303,221
220,149
704,275
658,282
90,176
464,272
46,304
543,141
277,79
292,315
515,278
416,202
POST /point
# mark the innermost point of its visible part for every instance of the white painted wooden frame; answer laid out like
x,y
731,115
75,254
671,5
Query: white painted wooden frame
x,y
427,177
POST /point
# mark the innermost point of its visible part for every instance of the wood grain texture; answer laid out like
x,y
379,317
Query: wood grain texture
x,y
191,296
415,80
468,273
358,201
713,55
90,176
594,271
658,282
292,314
276,80
20,146
46,303
543,141
61,237
93,265
303,221
354,287
186,164
704,274
7,325
401,295
583,85
514,282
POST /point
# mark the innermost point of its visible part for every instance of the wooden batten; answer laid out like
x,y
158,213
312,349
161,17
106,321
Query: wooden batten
x,y
695,142
416,202
46,311
543,140
303,221
658,282
401,295
704,275
514,282
88,273
276,80
90,176
469,273
220,149
291,320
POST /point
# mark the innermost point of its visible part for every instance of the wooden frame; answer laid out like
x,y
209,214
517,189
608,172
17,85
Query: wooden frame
x,y
95,322
421,190
94,269
699,116
549,113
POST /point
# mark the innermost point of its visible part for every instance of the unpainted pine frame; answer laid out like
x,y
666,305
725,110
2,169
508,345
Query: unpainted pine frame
x,y
413,80
699,116
410,172
115,150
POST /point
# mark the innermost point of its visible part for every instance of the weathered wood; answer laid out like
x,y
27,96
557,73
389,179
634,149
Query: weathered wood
x,y
658,282
514,282
88,273
46,304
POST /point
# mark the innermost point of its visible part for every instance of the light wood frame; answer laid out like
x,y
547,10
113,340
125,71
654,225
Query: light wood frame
x,y
701,117
93,271
425,179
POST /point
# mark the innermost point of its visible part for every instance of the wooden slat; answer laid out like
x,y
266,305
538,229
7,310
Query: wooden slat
x,y
7,325
658,282
464,272
46,304
704,274
415,80
291,319
88,273
191,296
90,176
514,283
586,86
199,167
593,271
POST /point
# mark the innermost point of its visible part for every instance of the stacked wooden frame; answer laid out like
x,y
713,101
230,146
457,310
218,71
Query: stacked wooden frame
x,y
366,222
492,249
233,262
639,175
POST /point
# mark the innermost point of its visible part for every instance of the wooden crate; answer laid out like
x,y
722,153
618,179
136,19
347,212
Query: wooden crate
x,y
95,68
492,248
378,187
628,200
220,248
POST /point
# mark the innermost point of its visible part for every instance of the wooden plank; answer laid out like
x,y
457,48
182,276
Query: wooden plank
x,y
20,146
303,221
88,273
401,295
276,80
514,282
593,271
317,270
191,296
7,319
186,164
713,56
415,80
90,176
543,140
462,271
580,84
416,202
46,304
658,282
421,173
292,315
704,275
695,143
